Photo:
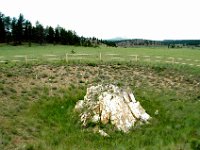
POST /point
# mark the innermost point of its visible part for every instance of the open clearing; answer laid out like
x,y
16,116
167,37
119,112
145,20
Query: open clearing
x,y
37,101
36,53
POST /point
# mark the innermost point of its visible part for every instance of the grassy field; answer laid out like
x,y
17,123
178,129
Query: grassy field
x,y
37,101
149,54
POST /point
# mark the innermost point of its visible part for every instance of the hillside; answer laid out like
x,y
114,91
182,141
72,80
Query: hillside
x,y
144,42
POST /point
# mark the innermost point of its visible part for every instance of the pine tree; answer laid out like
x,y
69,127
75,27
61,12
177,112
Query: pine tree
x,y
39,33
57,35
2,28
7,21
63,36
28,32
14,30
20,24
50,35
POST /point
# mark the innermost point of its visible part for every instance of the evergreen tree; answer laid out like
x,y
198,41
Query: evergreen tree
x,y
20,30
63,36
7,21
76,40
20,24
25,35
27,32
69,37
50,35
57,35
39,33
2,28
14,30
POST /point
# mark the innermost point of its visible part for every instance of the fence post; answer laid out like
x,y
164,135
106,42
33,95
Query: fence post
x,y
100,56
66,58
136,58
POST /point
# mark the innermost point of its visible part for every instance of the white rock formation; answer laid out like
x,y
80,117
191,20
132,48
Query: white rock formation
x,y
110,104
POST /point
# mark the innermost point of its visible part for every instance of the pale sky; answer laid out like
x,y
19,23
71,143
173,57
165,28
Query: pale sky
x,y
147,19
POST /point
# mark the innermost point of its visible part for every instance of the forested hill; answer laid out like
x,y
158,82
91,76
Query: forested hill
x,y
16,31
136,42
182,42
169,43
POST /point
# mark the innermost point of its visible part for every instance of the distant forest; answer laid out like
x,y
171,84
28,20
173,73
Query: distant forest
x,y
168,43
15,31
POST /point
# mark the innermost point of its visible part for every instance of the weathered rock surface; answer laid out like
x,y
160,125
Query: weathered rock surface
x,y
110,104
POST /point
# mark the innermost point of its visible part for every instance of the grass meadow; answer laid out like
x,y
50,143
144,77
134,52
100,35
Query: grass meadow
x,y
37,99
190,56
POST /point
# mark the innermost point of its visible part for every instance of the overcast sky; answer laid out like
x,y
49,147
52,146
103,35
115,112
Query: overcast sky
x,y
147,19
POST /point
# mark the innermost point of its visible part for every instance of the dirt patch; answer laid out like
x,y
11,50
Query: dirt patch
x,y
56,77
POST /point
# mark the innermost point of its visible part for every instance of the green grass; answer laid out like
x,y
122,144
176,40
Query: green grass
x,y
52,124
35,115
37,120
189,55
57,125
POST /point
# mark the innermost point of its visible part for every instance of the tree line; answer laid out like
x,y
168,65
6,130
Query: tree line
x,y
15,31
182,42
169,43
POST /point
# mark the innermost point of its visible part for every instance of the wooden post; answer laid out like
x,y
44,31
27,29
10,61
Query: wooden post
x,y
136,58
66,58
100,56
